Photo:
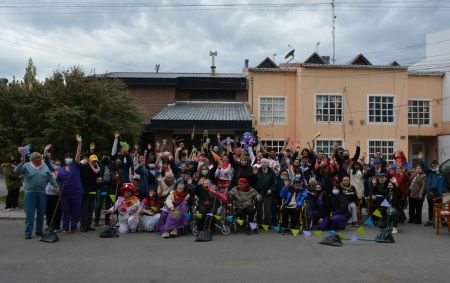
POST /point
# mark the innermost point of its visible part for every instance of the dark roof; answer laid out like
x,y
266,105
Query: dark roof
x,y
267,64
202,115
314,59
212,111
394,63
225,81
360,60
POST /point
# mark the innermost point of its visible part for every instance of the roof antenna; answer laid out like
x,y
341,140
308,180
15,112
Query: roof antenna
x,y
317,47
157,66
333,18
290,55
273,56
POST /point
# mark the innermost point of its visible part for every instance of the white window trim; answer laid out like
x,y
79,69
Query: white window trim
x,y
329,139
315,108
380,139
394,109
274,139
285,110
431,112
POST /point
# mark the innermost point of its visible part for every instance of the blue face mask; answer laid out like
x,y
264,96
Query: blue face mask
x,y
56,167
68,161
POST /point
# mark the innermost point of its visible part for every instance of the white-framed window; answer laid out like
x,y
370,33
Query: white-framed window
x,y
386,147
381,109
326,145
329,108
419,112
272,110
276,144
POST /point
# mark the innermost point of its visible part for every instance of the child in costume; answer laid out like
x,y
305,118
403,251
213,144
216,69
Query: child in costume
x,y
128,207
150,211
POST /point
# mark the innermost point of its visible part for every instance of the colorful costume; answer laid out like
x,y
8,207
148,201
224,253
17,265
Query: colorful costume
x,y
173,215
127,209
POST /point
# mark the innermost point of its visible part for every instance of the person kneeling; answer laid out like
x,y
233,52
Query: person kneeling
x,y
243,196
150,211
128,206
293,198
338,217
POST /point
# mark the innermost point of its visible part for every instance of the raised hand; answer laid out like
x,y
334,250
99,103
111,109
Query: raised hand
x,y
420,155
47,147
116,134
78,138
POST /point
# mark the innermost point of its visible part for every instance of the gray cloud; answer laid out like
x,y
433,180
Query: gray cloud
x,y
180,39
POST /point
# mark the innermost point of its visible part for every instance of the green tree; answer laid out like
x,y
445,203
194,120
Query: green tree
x,y
66,103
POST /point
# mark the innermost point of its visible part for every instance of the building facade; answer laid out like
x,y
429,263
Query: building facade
x,y
382,108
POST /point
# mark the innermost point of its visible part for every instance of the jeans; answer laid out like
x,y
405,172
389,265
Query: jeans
x,y
353,212
34,205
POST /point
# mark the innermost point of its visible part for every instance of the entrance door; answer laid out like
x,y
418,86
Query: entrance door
x,y
415,148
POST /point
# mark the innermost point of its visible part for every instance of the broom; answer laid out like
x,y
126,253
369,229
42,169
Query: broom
x,y
49,235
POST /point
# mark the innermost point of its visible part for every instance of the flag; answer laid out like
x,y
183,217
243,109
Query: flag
x,y
217,217
230,218
361,231
354,239
240,222
265,227
176,212
275,228
385,203
295,232
253,225
377,213
369,222
187,216
318,233
199,216
113,198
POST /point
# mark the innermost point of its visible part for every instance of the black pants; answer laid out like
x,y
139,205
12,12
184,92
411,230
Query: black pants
x,y
50,209
87,209
206,222
100,200
265,210
415,210
12,199
294,213
247,214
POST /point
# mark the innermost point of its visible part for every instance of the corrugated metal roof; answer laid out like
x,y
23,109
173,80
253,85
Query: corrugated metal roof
x,y
211,111
153,75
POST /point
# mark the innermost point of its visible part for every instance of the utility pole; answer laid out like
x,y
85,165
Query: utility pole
x,y
333,18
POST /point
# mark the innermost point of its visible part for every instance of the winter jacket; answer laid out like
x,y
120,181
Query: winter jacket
x,y
417,186
350,193
12,181
435,183
339,204
242,198
265,181
287,192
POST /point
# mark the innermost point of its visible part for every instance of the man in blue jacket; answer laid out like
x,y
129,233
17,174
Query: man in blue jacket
x,y
293,198
435,185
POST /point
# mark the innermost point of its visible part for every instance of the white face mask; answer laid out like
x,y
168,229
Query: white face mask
x,y
335,192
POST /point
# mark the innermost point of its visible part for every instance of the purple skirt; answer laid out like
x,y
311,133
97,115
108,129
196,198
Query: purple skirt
x,y
169,221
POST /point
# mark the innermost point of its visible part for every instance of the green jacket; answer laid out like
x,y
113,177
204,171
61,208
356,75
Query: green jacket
x,y
12,181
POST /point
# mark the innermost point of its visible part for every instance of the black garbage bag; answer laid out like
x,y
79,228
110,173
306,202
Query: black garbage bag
x,y
385,236
109,233
204,236
49,236
332,240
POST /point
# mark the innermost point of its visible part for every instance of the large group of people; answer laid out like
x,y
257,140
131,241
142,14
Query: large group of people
x,y
167,186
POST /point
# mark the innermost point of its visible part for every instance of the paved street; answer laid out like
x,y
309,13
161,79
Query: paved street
x,y
417,256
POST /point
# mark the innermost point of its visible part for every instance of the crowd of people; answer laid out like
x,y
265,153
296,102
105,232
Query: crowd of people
x,y
168,186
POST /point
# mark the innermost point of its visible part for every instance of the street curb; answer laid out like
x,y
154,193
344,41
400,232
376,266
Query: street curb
x,y
12,218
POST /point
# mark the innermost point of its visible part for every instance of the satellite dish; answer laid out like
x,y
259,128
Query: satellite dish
x,y
290,54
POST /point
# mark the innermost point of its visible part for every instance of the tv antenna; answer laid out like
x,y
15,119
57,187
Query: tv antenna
x,y
333,18
290,54
157,66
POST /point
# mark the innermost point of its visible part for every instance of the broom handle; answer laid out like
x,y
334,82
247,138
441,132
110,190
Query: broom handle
x,y
56,208
210,218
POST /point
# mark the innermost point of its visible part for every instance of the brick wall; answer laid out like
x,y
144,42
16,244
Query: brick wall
x,y
152,99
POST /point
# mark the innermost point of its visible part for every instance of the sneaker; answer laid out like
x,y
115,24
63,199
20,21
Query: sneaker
x,y
428,223
166,235
394,230
27,237
173,233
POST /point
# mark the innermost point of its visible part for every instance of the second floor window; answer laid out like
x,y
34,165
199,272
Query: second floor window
x,y
272,110
329,108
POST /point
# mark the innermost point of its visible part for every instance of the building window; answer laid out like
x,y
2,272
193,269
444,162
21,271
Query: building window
x,y
419,112
381,109
386,147
275,144
272,110
329,108
327,146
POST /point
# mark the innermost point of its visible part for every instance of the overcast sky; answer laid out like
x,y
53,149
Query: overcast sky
x,y
135,35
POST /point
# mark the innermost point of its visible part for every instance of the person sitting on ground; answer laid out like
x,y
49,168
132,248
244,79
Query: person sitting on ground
x,y
173,215
128,206
338,217
352,198
243,196
165,185
322,205
150,211
293,198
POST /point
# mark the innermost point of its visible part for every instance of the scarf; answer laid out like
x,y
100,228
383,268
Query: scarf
x,y
94,169
127,203
179,197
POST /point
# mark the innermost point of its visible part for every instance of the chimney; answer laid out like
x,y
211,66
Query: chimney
x,y
246,63
213,66
326,59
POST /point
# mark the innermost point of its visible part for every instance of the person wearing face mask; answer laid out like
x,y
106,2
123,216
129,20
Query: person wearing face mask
x,y
91,181
70,181
390,215
105,189
344,160
321,205
36,177
13,183
352,198
143,172
266,186
416,196
435,185
293,198
52,199
338,216
126,165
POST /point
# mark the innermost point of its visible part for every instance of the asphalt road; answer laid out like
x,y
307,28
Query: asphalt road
x,y
417,256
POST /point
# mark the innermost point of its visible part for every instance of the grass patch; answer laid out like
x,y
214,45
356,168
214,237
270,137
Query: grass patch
x,y
21,196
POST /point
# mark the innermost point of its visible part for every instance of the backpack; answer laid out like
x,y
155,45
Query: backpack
x,y
109,233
